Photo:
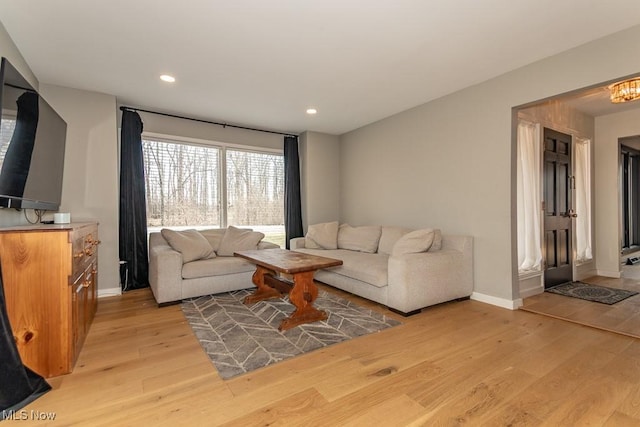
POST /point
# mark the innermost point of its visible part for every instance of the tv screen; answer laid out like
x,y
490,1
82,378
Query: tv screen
x,y
32,143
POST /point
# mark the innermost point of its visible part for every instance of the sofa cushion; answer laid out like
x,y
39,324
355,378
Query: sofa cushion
x,y
267,245
366,267
219,266
391,234
362,239
238,239
414,242
190,243
389,237
214,236
322,236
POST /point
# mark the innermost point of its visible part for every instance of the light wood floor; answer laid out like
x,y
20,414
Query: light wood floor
x,y
622,317
459,363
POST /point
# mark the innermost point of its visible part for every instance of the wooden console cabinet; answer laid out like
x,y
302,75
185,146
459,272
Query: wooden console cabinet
x,y
50,275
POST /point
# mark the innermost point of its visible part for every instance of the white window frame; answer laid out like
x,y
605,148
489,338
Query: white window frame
x,y
222,166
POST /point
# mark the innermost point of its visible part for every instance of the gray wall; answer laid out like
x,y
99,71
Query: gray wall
x,y
8,49
608,130
320,178
207,132
90,182
450,163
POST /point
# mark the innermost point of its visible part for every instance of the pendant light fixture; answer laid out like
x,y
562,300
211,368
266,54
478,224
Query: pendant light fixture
x,y
628,90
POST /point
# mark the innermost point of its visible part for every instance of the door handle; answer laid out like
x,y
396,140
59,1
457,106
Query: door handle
x,y
572,213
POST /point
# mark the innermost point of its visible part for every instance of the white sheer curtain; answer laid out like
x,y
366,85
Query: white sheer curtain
x,y
528,195
582,170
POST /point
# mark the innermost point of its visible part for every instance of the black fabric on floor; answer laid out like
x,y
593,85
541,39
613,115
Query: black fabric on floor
x,y
19,385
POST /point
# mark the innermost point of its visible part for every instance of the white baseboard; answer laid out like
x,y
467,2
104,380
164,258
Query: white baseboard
x,y
530,285
586,274
110,292
529,292
614,274
500,302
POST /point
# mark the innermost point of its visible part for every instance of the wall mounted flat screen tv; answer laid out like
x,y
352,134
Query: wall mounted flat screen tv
x,y
32,143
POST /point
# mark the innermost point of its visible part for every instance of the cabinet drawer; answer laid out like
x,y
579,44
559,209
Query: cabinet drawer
x,y
84,279
84,249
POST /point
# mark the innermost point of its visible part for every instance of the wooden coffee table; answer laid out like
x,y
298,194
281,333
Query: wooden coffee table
x,y
270,264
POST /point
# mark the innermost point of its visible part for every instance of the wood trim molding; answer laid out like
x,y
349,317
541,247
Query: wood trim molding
x,y
499,302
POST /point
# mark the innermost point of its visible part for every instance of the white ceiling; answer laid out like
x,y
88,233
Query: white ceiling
x,y
262,63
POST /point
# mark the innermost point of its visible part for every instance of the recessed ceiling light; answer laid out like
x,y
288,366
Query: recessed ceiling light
x,y
311,111
167,78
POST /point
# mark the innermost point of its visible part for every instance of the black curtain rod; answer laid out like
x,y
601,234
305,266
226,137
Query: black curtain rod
x,y
224,125
20,87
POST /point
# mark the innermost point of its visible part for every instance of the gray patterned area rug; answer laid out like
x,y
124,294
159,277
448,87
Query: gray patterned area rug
x,y
590,292
240,338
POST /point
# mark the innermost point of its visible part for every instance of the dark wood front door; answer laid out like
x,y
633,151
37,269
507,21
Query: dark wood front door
x,y
557,208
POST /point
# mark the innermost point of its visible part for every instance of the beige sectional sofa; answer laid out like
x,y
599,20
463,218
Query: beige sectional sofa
x,y
404,269
192,263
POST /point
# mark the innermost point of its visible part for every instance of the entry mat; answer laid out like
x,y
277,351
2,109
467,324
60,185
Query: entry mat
x,y
590,292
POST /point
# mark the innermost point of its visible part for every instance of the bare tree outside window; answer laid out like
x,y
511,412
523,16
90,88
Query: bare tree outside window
x,y
255,188
182,184
183,188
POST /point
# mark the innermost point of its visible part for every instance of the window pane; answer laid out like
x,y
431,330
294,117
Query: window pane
x,y
182,184
255,192
6,132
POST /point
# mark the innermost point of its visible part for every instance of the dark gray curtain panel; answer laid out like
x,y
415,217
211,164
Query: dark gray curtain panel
x,y
19,385
292,204
133,209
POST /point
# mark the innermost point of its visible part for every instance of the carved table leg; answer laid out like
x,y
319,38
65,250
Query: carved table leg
x,y
263,290
303,294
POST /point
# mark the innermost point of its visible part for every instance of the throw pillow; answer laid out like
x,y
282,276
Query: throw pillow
x,y
190,243
389,236
214,236
238,239
362,239
414,242
437,240
322,236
